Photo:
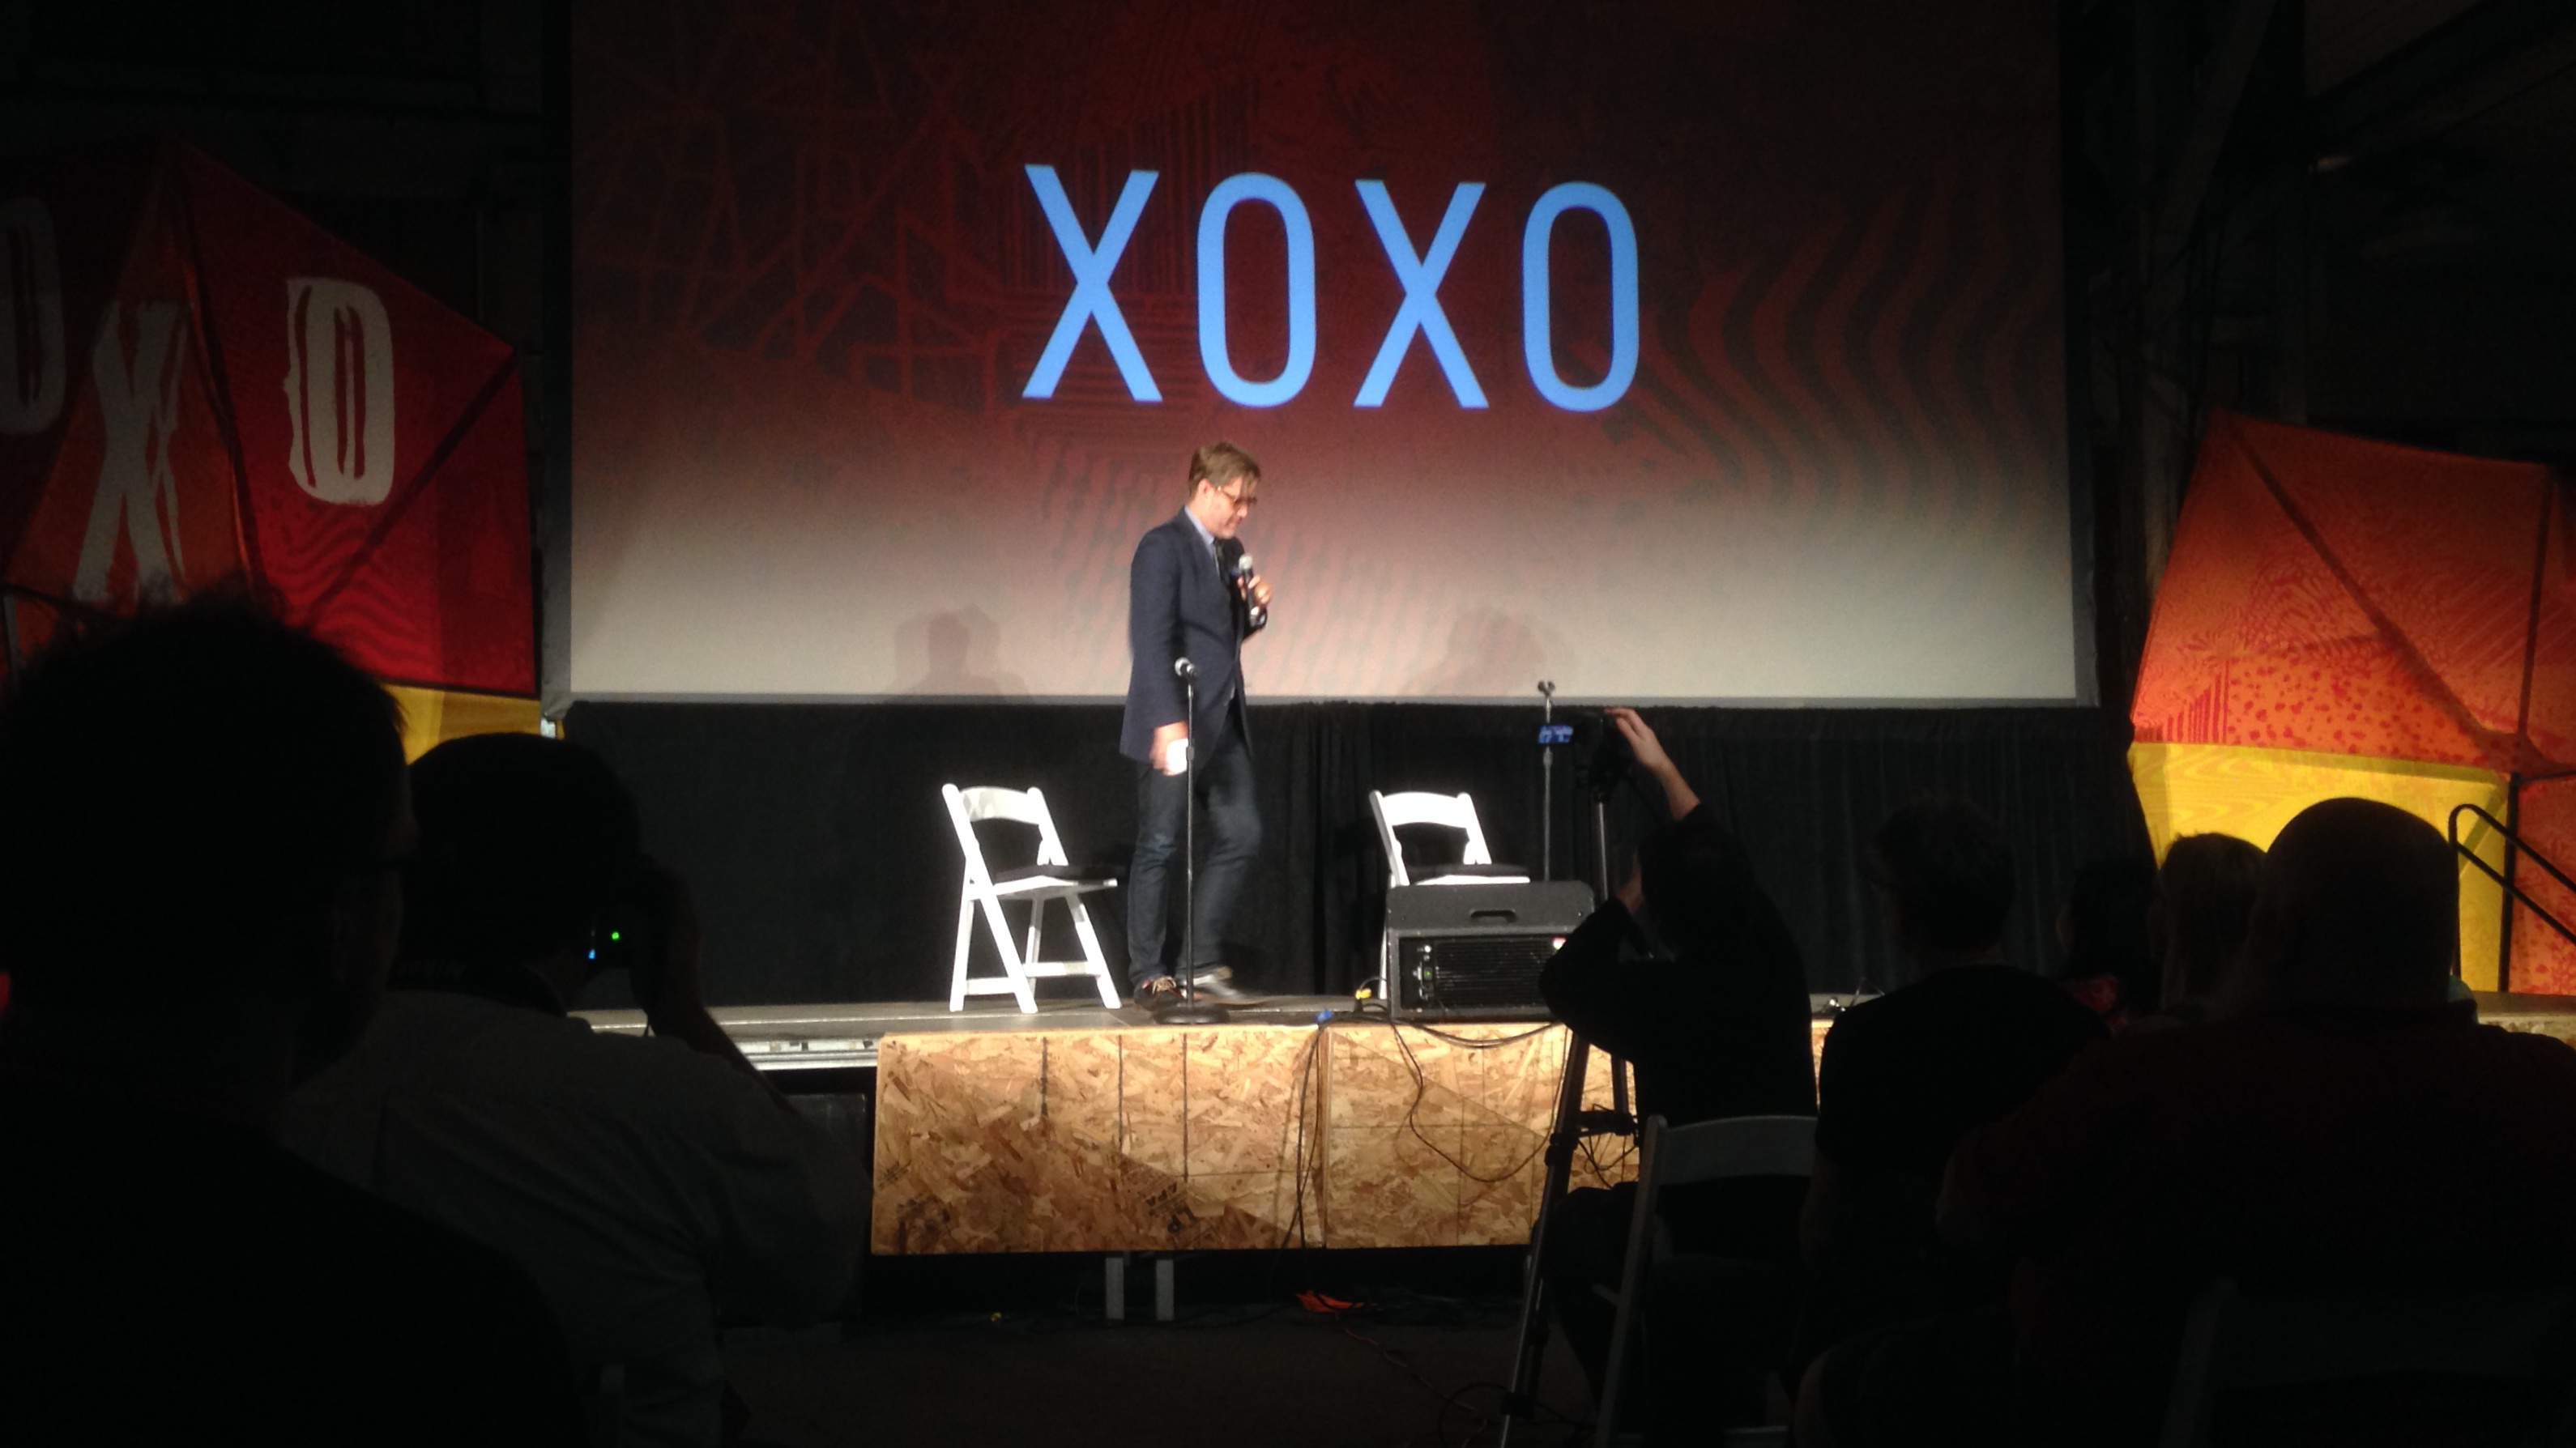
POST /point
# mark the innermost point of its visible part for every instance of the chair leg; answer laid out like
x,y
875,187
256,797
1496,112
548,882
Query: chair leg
x,y
1632,1289
1001,928
1091,955
1037,923
965,937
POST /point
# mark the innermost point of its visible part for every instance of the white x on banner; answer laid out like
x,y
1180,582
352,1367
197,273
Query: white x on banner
x,y
138,494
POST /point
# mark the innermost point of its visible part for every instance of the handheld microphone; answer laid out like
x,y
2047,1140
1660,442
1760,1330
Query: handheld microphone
x,y
1258,614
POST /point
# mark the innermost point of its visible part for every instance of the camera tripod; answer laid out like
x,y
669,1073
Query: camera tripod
x,y
1572,1124
1601,777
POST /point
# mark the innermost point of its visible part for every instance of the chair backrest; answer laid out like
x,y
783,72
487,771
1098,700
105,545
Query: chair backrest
x,y
1020,806
1736,1146
1672,1156
1452,811
2234,1339
1707,1151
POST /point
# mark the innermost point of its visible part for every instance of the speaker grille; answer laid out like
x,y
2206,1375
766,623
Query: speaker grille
x,y
1473,975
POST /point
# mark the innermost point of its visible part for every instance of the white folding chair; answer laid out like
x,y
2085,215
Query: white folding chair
x,y
1051,878
1452,811
1672,1156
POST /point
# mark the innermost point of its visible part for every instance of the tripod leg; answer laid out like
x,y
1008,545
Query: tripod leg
x,y
1521,1402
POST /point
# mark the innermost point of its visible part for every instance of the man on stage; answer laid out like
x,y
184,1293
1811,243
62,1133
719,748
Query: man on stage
x,y
1192,595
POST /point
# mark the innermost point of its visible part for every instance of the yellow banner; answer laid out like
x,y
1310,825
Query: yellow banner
x,y
2240,790
431,717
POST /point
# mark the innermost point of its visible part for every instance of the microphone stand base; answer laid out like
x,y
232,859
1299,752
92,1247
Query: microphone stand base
x,y
1193,1013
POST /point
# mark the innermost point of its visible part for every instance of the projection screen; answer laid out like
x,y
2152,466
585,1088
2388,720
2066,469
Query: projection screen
x,y
1702,350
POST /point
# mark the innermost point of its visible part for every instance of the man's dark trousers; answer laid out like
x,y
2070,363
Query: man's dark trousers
x,y
1229,820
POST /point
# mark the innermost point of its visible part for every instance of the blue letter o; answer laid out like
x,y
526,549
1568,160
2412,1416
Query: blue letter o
x,y
1254,186
1537,345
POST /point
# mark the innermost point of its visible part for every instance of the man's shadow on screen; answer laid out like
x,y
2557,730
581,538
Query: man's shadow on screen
x,y
1491,654
955,653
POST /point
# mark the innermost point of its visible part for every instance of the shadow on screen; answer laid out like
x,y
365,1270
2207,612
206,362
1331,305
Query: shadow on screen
x,y
1491,654
954,653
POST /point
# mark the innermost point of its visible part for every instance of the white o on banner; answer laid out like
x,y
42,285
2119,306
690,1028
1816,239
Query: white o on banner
x,y
339,391
32,363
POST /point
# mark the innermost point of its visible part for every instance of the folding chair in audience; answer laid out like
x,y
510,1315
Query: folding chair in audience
x,y
1672,1156
2244,1350
1049,879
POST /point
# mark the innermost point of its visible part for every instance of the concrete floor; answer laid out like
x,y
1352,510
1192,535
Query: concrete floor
x,y
1419,1373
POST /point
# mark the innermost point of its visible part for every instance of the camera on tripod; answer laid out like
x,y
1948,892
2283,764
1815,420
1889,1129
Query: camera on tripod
x,y
1604,753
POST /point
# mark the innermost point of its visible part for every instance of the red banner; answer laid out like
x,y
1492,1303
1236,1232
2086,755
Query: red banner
x,y
237,397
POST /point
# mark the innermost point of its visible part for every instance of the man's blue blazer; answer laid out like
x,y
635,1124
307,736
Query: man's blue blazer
x,y
1178,603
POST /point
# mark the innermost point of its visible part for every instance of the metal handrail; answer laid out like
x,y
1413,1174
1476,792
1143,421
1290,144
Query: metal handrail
x,y
2522,847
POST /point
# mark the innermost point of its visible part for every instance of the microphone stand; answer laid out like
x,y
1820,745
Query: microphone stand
x,y
1546,780
1191,1011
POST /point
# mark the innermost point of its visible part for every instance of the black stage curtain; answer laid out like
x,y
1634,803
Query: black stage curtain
x,y
826,868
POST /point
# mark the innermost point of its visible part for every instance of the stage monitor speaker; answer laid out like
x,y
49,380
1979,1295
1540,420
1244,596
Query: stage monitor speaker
x,y
1474,952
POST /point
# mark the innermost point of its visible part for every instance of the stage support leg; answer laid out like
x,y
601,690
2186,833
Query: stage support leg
x,y
1113,1286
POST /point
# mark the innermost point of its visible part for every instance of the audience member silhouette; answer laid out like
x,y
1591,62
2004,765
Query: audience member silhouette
x,y
204,813
1905,1076
2348,1127
2108,962
647,1184
1716,1024
2204,906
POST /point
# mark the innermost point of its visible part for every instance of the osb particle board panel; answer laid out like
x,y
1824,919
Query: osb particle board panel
x,y
1434,1143
2562,1027
2541,1015
1111,1140
1154,1139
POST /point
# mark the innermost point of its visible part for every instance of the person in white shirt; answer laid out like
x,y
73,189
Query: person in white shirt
x,y
648,1185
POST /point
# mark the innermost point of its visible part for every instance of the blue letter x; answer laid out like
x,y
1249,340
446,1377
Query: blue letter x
x,y
1091,298
1421,309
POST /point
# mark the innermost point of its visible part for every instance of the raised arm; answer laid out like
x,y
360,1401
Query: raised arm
x,y
1679,797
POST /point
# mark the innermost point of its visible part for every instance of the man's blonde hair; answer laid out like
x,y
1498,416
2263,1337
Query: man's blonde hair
x,y
1221,464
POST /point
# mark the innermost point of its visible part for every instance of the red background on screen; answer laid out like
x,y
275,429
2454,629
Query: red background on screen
x,y
813,279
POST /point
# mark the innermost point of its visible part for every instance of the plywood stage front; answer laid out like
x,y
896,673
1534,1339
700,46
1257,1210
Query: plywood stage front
x,y
1082,1129
1142,1138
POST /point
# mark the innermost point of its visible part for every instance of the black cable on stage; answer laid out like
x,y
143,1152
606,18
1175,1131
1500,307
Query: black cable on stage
x,y
1477,1043
1413,1113
1298,1171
